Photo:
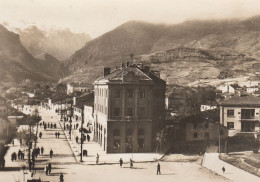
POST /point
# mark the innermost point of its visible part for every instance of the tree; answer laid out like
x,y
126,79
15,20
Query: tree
x,y
161,136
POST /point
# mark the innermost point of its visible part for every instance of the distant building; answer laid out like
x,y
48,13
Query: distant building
x,y
77,87
240,113
252,89
129,105
226,88
208,106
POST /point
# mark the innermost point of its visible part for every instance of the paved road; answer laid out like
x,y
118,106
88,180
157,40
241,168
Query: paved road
x,y
63,156
212,162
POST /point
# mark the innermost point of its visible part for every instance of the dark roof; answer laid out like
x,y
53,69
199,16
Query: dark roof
x,y
85,99
243,100
132,71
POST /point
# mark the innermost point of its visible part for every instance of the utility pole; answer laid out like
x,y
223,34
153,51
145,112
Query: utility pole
x,y
30,145
71,113
81,132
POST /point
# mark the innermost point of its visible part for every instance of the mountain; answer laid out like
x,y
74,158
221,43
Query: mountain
x,y
184,53
59,43
17,64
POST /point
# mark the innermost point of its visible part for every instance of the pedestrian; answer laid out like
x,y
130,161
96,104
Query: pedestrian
x,y
121,162
15,156
51,153
22,156
97,159
77,125
49,167
223,169
42,150
40,124
58,134
74,126
131,163
3,163
51,125
48,125
61,177
19,154
88,137
13,142
77,139
40,134
46,170
45,127
158,168
55,126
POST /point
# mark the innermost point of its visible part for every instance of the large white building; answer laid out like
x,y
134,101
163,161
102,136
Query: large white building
x,y
240,113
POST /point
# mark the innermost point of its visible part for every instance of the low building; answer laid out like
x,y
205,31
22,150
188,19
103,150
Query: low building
x,y
77,87
240,113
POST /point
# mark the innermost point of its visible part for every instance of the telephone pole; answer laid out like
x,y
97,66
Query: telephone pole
x,y
81,132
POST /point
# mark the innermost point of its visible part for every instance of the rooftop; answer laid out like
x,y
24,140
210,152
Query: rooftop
x,y
130,74
243,100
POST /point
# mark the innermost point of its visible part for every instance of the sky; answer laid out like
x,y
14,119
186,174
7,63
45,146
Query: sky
x,y
96,17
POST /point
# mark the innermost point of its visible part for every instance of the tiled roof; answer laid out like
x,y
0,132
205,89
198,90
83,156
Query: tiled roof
x,y
243,100
118,75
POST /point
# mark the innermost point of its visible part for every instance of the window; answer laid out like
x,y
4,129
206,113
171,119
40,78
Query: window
x,y
129,111
116,132
195,125
195,135
142,111
141,131
116,111
142,93
230,113
206,135
230,125
117,93
129,93
129,131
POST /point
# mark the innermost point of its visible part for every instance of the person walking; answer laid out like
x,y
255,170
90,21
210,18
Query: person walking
x,y
48,125
3,163
58,134
51,153
46,170
49,167
121,162
88,137
42,150
61,177
45,127
40,135
158,168
77,139
131,163
223,169
97,159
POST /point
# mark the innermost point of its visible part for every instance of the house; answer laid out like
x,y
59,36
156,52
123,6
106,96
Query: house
x,y
77,87
226,88
129,106
240,113
208,106
252,89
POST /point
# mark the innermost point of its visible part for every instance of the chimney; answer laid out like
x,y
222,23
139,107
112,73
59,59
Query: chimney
x,y
106,71
146,69
122,65
127,64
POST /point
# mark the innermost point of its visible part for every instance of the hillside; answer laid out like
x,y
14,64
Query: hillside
x,y
16,64
184,53
59,43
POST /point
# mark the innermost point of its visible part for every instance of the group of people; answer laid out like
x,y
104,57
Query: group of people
x,y
48,125
57,134
131,165
47,169
20,155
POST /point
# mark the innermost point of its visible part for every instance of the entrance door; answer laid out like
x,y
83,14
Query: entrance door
x,y
247,126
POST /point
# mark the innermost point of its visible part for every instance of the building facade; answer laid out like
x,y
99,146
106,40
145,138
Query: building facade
x,y
240,113
128,107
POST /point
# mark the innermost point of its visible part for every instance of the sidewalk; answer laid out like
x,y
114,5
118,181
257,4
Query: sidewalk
x,y
212,162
